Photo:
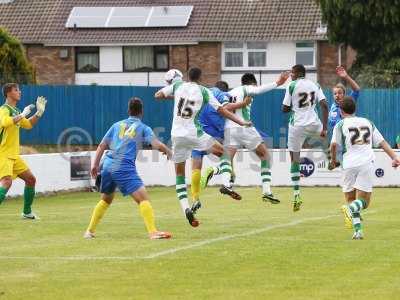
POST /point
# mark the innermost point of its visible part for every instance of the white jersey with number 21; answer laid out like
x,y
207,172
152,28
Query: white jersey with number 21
x,y
302,96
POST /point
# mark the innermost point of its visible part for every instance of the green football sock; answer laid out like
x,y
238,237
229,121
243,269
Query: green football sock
x,y
225,168
181,192
357,222
3,193
357,205
29,194
265,177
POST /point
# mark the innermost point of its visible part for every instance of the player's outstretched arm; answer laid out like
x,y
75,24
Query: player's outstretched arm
x,y
237,105
159,95
389,151
341,72
96,163
227,114
256,90
325,113
6,120
156,144
165,93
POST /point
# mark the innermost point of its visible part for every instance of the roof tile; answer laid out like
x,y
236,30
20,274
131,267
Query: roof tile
x,y
212,20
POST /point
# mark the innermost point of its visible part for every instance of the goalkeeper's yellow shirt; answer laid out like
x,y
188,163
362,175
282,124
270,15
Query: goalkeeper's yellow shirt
x,y
9,132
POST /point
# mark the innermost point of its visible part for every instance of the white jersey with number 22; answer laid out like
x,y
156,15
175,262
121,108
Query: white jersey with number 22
x,y
357,136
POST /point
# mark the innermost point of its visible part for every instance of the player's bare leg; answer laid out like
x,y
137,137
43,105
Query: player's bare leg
x,y
181,191
98,213
29,194
263,155
141,197
295,176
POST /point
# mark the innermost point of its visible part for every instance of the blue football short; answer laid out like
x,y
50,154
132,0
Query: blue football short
x,y
127,181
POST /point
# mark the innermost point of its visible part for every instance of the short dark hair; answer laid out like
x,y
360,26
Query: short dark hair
x,y
348,105
194,74
135,107
222,85
300,70
8,88
248,79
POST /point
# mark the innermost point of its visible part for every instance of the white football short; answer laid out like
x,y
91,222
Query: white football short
x,y
247,137
182,146
360,178
298,134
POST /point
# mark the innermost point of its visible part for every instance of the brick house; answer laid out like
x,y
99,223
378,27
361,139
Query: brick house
x,y
223,38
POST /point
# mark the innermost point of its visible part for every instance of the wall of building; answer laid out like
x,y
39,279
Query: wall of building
x,y
121,78
204,55
50,68
281,56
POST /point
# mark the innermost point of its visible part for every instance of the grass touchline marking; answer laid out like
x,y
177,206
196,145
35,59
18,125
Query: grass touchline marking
x,y
174,250
233,236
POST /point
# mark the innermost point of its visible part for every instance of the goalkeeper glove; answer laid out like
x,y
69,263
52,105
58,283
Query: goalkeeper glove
x,y
40,106
27,110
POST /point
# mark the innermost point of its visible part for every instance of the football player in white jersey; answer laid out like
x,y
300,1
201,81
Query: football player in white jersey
x,y
187,133
357,137
236,136
301,98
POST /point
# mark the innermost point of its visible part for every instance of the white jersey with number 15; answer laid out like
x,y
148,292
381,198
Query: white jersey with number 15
x,y
189,101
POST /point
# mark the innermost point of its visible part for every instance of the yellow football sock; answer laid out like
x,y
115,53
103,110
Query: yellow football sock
x,y
98,213
146,210
195,187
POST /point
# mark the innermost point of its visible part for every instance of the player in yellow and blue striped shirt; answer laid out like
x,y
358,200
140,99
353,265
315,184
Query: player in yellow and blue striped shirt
x,y
11,164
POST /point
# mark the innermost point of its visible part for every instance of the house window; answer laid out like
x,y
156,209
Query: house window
x,y
251,55
146,58
87,59
305,54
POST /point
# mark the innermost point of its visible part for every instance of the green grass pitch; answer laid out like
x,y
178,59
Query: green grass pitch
x,y
242,250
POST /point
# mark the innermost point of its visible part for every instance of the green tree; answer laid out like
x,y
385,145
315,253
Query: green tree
x,y
371,27
14,66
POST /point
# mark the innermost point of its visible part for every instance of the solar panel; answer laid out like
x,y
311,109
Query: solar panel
x,y
88,17
129,17
170,16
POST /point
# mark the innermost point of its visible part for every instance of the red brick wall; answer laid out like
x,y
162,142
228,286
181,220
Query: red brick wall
x,y
49,67
206,56
328,60
327,63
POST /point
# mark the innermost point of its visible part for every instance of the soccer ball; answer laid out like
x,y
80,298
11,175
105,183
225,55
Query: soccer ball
x,y
173,75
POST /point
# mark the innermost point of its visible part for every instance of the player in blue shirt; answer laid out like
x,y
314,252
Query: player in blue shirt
x,y
339,91
118,169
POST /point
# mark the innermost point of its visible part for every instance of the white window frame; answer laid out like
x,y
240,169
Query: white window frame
x,y
307,49
245,52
